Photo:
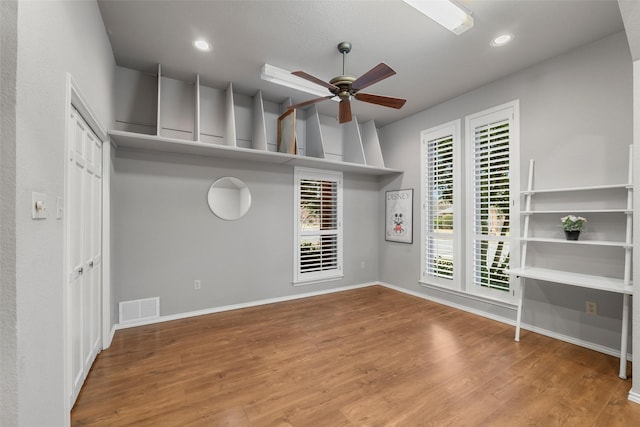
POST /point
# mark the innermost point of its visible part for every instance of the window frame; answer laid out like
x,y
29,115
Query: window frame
x,y
305,278
452,129
509,112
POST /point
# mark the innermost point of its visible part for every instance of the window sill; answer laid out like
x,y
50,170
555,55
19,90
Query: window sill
x,y
319,280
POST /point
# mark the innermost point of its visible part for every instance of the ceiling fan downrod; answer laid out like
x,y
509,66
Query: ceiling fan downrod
x,y
343,82
344,48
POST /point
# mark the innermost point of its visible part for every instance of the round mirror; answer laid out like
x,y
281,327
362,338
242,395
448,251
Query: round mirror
x,y
229,198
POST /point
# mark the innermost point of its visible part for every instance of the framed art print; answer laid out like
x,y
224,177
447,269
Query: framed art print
x,y
399,216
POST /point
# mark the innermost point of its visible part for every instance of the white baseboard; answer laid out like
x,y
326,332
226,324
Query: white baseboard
x,y
634,397
239,306
453,304
592,346
572,340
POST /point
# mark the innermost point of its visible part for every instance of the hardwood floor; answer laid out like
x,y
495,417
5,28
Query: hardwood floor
x,y
367,357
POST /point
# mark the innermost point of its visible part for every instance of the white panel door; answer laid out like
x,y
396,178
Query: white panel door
x,y
91,253
85,160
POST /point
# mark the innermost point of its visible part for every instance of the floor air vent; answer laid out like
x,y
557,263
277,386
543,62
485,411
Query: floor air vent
x,y
140,309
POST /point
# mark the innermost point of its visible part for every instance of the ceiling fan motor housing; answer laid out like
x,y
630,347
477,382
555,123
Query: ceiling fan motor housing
x,y
343,83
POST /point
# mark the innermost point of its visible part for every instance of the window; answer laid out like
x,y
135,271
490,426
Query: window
x,y
491,143
468,213
439,166
318,231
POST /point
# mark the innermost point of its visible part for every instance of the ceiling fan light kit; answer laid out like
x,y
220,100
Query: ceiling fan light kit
x,y
446,13
345,87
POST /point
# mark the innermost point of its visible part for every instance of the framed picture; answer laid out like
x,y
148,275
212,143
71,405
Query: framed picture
x,y
287,132
399,216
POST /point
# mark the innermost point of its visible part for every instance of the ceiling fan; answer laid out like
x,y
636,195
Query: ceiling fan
x,y
345,87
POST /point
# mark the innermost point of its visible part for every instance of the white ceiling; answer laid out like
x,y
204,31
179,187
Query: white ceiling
x,y
432,64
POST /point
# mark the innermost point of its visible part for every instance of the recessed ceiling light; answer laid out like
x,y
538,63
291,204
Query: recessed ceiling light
x,y
502,39
202,45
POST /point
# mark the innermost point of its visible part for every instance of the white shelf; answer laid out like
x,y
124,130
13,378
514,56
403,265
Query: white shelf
x,y
142,142
194,119
576,211
572,189
610,195
573,279
577,242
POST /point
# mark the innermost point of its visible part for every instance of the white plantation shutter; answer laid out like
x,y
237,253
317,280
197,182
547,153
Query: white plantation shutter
x,y
318,205
491,137
438,244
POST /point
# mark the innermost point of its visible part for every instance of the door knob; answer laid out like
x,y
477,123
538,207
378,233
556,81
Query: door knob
x,y
80,270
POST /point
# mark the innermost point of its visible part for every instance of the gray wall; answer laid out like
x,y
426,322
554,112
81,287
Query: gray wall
x,y
54,37
576,122
165,236
8,325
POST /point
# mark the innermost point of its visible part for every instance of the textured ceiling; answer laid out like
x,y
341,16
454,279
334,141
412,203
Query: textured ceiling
x,y
432,64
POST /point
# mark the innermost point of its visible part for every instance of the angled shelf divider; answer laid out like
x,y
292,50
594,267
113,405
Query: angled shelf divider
x,y
192,118
616,221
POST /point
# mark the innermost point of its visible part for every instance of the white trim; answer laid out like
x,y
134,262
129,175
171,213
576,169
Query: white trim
x,y
74,99
66,340
106,245
475,297
586,344
241,305
634,397
591,346
509,110
453,304
300,173
112,333
78,101
314,282
452,128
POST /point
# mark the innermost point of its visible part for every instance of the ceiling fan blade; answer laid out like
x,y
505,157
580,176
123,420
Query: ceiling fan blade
x,y
385,101
344,115
309,102
315,80
374,75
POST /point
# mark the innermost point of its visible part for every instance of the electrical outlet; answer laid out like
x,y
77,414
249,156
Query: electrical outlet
x,y
197,284
363,265
591,307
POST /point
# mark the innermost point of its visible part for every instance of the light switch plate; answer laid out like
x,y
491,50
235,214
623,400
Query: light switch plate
x,y
39,205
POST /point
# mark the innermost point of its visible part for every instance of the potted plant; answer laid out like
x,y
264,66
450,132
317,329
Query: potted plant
x,y
572,226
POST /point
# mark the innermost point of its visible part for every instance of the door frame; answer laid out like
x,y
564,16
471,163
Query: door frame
x,y
75,99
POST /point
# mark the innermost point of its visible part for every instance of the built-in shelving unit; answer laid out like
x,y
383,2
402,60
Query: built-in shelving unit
x,y
159,113
612,206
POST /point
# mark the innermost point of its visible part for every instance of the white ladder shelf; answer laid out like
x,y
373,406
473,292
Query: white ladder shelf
x,y
622,286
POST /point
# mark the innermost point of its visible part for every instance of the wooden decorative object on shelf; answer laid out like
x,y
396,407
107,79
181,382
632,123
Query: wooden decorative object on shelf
x,y
287,132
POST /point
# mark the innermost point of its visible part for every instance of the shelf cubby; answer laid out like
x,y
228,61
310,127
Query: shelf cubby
x,y
176,108
162,113
136,100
